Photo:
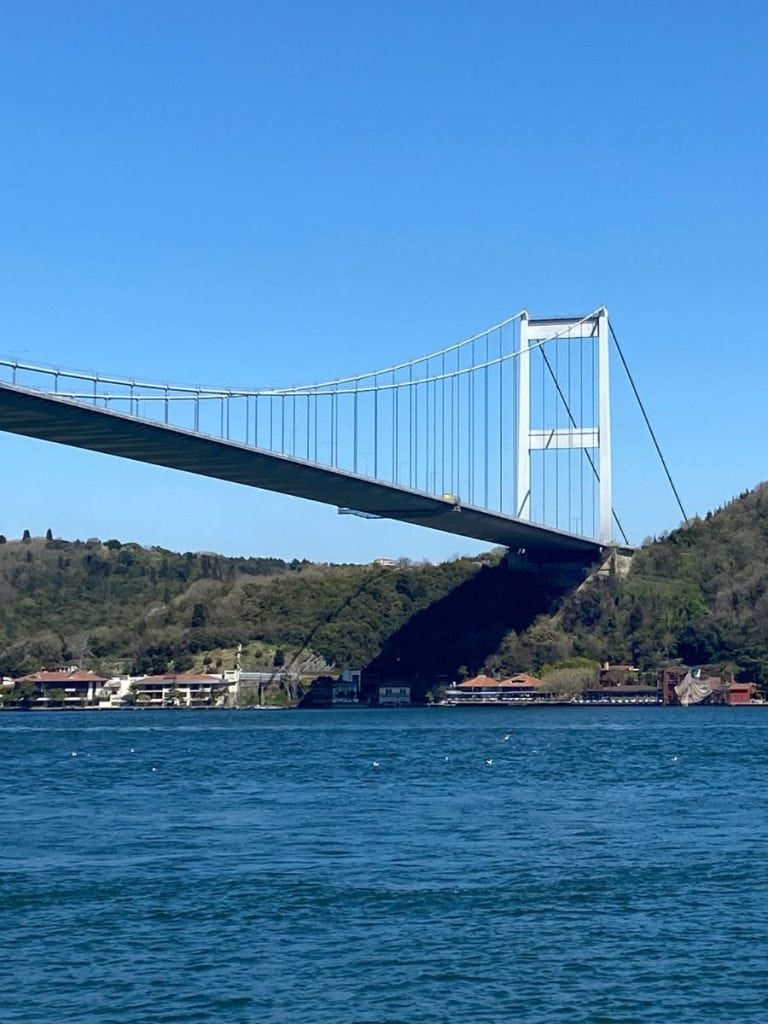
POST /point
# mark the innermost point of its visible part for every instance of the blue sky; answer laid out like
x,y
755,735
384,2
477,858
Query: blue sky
x,y
261,194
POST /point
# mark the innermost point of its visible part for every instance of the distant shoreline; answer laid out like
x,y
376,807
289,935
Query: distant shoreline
x,y
488,706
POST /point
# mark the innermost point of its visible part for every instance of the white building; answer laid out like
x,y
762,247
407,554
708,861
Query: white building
x,y
183,689
394,695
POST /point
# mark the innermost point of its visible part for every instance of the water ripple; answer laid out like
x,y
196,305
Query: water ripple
x,y
606,866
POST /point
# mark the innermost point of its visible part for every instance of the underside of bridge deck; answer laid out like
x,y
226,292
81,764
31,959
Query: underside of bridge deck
x,y
63,421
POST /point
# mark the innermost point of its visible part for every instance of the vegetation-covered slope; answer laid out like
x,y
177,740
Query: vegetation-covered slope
x,y
120,606
699,595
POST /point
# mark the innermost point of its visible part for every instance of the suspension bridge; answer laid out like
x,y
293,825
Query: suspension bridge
x,y
504,437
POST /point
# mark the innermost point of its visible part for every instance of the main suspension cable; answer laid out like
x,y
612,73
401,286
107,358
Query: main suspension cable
x,y
651,431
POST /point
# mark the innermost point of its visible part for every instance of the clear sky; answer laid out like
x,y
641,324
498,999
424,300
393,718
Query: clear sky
x,y
248,194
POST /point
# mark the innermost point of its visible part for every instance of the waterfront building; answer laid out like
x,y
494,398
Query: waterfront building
x,y
627,694
114,691
183,689
671,678
393,695
346,689
77,686
617,675
741,693
252,686
683,685
486,690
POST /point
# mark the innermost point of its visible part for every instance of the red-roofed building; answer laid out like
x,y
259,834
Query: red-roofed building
x,y
183,689
741,693
78,686
617,675
486,690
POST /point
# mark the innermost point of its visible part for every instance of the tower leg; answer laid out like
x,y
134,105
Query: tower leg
x,y
604,402
523,489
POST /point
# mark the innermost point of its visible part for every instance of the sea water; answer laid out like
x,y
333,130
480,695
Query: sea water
x,y
384,867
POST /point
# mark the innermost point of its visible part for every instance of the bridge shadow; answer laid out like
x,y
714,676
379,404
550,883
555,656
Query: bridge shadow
x,y
466,627
305,647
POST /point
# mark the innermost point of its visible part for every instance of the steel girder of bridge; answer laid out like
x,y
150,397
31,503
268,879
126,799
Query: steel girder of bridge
x,y
469,440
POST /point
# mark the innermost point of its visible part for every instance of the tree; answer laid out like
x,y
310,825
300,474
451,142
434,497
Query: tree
x,y
26,537
699,644
279,659
48,534
198,616
3,539
173,697
567,682
25,691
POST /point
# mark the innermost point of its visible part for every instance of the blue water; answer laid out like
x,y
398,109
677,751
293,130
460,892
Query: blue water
x,y
608,866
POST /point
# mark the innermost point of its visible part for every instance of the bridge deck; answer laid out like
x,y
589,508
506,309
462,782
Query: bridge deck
x,y
63,421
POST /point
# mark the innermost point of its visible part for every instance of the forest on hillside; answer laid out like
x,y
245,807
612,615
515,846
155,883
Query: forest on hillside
x,y
116,606
698,595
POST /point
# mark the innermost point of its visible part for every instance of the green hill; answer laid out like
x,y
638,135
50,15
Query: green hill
x,y
699,595
112,607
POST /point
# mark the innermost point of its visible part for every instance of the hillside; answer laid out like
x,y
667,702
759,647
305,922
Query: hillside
x,y
699,595
120,607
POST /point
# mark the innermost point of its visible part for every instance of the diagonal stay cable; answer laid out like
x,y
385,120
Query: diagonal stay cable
x,y
656,445
590,460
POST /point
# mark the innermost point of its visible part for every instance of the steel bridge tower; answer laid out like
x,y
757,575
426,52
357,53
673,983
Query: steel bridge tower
x,y
547,436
